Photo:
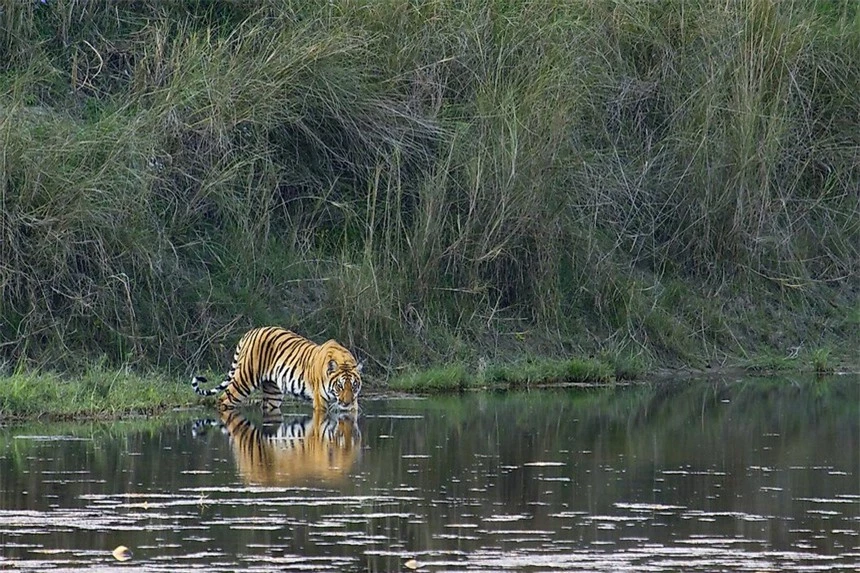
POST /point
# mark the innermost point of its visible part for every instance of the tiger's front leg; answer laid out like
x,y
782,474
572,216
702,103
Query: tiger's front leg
x,y
272,397
320,405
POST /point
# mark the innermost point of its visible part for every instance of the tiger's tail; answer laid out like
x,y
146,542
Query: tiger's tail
x,y
198,380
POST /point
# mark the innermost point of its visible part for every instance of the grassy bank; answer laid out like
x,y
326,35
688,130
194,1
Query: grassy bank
x,y
96,393
103,393
430,183
525,374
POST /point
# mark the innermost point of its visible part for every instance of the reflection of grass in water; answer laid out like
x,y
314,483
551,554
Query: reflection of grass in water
x,y
635,418
790,403
27,435
98,392
674,403
633,428
125,452
104,446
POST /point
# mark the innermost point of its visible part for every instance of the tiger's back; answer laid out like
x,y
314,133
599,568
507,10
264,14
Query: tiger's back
x,y
279,362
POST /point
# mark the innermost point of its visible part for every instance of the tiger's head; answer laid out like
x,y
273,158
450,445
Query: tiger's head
x,y
342,377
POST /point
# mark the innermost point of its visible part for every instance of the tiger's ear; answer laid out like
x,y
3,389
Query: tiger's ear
x,y
331,367
359,367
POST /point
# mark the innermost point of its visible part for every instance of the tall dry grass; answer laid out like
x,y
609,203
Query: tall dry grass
x,y
426,181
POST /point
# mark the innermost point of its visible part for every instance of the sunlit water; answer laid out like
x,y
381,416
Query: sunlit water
x,y
728,476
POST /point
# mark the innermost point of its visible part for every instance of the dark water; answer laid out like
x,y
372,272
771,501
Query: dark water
x,y
728,476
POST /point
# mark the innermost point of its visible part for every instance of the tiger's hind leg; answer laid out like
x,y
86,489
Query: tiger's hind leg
x,y
272,397
237,384
235,392
230,394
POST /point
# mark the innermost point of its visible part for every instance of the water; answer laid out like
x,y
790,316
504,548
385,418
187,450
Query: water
x,y
718,476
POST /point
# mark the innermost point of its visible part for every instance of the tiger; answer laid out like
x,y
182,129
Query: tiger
x,y
282,362
322,448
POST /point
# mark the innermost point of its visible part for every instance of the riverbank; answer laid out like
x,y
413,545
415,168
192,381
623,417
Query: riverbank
x,y
100,393
96,393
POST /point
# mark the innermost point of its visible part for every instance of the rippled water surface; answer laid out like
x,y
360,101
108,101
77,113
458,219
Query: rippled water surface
x,y
718,476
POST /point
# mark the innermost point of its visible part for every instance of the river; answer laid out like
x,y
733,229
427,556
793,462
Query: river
x,y
723,475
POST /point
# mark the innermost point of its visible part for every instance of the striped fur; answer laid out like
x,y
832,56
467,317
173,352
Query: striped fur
x,y
282,362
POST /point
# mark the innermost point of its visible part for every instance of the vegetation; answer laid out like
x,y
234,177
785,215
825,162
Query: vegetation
x,y
428,182
821,361
555,371
522,374
449,378
98,392
770,362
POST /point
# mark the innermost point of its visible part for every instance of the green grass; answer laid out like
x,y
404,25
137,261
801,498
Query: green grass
x,y
626,366
97,393
546,371
771,362
820,359
442,379
523,374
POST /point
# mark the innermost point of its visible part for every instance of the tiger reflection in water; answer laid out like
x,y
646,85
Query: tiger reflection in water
x,y
303,450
